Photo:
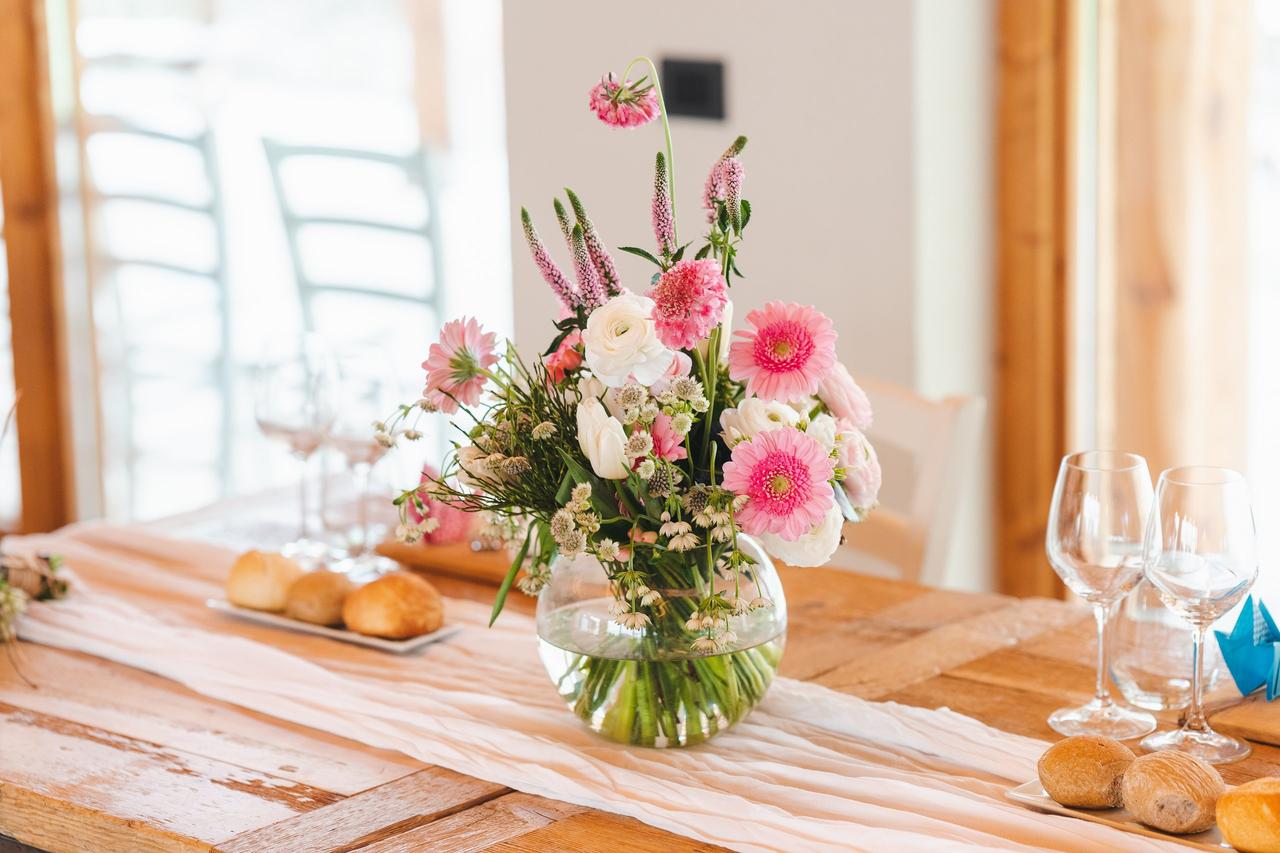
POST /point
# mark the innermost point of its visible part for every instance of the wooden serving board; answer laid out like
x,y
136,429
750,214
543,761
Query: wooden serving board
x,y
1254,718
459,561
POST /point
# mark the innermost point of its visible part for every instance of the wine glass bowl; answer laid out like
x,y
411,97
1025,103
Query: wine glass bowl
x,y
1200,555
1094,543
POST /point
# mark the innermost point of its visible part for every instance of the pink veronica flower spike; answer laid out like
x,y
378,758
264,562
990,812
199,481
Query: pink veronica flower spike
x,y
787,354
454,365
784,473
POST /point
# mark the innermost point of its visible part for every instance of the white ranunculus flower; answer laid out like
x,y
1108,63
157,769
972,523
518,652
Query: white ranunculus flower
x,y
823,427
621,341
813,548
603,440
754,416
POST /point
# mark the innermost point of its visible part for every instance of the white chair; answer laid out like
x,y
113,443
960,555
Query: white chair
x,y
927,449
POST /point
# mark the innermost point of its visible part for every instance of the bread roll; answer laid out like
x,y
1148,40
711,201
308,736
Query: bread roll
x,y
1249,816
317,597
1173,791
261,580
1085,771
397,606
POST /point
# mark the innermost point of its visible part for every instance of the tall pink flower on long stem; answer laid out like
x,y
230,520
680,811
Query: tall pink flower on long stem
x,y
457,364
785,475
664,224
787,354
713,192
731,178
600,257
551,273
626,104
590,290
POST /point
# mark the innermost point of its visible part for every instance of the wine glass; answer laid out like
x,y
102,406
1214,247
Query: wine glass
x,y
294,404
1201,556
369,394
1094,543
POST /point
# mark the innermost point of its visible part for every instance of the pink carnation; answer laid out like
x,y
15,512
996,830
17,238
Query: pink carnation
x,y
567,357
843,398
452,524
623,105
666,442
784,474
689,301
787,354
456,363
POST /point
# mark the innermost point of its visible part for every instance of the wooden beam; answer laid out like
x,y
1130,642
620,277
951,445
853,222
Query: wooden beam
x,y
29,193
1173,249
1033,255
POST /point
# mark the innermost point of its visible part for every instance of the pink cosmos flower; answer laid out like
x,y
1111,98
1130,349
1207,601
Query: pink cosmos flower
x,y
453,524
688,302
567,357
454,365
624,105
666,443
787,354
784,474
843,398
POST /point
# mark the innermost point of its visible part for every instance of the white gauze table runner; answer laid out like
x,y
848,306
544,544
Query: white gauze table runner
x,y
809,769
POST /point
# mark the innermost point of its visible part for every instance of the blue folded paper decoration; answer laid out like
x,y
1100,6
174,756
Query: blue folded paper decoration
x,y
1252,650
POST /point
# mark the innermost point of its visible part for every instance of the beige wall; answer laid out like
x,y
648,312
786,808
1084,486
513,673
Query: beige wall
x,y
867,167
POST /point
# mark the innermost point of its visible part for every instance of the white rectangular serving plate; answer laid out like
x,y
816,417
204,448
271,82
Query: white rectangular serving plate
x,y
1032,794
275,620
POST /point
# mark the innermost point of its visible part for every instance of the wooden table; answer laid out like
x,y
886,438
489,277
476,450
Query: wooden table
x,y
102,757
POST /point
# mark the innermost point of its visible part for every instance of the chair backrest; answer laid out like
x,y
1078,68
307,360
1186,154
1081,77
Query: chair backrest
x,y
926,449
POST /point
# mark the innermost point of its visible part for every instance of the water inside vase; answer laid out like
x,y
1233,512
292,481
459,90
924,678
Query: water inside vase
x,y
647,686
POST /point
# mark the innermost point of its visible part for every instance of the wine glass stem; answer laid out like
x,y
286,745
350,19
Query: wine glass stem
x,y
363,472
1195,714
1102,691
304,497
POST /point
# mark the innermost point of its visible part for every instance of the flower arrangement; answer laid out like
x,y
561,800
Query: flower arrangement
x,y
650,440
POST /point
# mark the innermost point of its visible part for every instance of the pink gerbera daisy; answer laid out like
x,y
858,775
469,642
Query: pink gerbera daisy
x,y
787,354
785,475
455,365
688,302
624,104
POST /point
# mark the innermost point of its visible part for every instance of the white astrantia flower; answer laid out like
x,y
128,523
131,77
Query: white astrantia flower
x,y
813,548
651,598
754,416
683,542
621,342
618,607
633,620
704,644
646,469
603,440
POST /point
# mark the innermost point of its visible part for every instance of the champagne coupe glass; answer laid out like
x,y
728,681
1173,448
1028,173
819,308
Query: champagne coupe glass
x,y
1094,543
369,394
294,404
1201,556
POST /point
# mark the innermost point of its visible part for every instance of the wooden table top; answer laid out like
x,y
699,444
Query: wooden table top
x,y
102,757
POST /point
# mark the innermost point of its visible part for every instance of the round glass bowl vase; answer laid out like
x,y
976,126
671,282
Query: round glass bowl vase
x,y
651,685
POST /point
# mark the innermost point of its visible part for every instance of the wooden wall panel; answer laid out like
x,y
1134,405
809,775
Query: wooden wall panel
x,y
1033,256
27,180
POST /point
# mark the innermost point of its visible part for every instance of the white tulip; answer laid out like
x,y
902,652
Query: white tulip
x,y
472,468
813,548
754,416
603,440
621,341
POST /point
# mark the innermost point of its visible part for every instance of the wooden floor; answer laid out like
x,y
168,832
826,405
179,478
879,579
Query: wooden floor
x,y
101,757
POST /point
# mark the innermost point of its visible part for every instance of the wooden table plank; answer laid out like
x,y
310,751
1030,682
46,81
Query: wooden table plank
x,y
480,827
59,777
370,817
126,701
598,832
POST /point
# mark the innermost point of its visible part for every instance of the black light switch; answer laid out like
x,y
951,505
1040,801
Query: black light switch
x,y
693,88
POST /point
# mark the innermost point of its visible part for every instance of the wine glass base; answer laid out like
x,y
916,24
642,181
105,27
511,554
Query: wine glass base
x,y
1204,744
366,567
309,553
1104,720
